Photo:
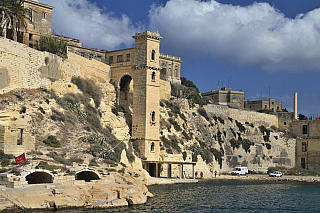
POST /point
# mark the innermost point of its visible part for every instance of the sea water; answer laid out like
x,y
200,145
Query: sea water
x,y
227,196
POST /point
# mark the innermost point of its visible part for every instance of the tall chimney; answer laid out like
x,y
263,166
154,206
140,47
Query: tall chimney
x,y
295,105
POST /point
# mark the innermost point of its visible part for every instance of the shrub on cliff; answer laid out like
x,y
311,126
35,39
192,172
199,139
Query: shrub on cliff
x,y
203,113
52,141
5,158
53,45
88,87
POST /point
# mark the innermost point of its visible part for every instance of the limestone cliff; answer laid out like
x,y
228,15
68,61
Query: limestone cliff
x,y
222,142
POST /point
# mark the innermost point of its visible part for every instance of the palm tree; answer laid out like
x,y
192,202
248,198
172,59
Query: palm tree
x,y
13,16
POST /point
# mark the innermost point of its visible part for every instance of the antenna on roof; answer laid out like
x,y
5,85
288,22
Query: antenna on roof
x,y
218,85
269,92
229,81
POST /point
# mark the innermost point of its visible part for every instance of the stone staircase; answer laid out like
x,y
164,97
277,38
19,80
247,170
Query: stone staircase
x,y
98,196
6,204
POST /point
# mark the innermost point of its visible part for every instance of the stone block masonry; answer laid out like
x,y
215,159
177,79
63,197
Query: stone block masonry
x,y
24,67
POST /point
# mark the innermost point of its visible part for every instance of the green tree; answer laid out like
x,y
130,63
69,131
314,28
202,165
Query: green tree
x,y
302,117
53,45
13,16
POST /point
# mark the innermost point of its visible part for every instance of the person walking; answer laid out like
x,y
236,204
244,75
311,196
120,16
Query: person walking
x,y
215,173
201,175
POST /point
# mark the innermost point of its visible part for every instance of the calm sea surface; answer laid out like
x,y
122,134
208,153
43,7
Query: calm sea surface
x,y
227,196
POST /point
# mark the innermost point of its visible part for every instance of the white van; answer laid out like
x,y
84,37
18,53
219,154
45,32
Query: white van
x,y
240,171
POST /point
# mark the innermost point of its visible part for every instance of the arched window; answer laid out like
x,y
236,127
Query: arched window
x,y
152,147
153,55
153,76
153,117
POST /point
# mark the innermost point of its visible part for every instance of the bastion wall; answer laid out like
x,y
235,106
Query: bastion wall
x,y
24,67
244,116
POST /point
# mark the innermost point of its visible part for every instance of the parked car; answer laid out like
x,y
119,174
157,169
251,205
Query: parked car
x,y
275,174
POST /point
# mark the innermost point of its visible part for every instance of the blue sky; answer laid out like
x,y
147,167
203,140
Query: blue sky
x,y
264,47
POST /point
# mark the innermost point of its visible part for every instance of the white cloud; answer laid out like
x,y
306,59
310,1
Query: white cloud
x,y
94,27
257,35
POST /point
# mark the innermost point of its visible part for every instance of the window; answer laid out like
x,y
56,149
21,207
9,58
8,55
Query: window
x,y
153,55
250,107
152,147
153,117
265,106
153,76
303,163
44,16
119,58
110,59
304,146
82,54
128,57
30,16
20,136
277,108
285,123
304,129
163,71
91,56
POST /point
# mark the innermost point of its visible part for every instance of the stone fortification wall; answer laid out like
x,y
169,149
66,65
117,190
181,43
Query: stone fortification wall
x,y
24,67
253,117
165,90
218,110
243,115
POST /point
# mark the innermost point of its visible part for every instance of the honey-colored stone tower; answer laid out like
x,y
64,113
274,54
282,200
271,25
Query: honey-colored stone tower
x,y
146,94
136,73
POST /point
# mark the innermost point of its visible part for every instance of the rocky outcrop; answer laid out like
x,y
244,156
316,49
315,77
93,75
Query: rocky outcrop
x,y
111,191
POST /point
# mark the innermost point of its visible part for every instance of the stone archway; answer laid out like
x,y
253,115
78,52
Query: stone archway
x,y
126,98
39,177
87,176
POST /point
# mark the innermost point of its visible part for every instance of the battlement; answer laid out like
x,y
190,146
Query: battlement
x,y
170,57
147,34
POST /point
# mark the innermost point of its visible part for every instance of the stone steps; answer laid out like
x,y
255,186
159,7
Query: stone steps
x,y
98,195
6,204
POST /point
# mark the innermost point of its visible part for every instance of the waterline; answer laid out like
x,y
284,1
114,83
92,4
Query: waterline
x,y
228,196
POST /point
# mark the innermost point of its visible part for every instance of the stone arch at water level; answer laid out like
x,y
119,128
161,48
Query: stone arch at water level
x,y
39,177
87,176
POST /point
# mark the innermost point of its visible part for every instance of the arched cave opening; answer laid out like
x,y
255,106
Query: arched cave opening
x,y
39,177
87,176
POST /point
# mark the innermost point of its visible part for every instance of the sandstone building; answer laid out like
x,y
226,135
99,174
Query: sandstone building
x,y
226,97
263,104
308,143
38,23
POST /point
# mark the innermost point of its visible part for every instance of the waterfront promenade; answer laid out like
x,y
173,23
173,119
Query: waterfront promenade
x,y
299,178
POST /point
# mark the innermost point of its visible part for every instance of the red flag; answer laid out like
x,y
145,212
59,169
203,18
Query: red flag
x,y
318,117
21,158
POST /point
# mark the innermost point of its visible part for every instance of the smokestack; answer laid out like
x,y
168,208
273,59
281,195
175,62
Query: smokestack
x,y
295,106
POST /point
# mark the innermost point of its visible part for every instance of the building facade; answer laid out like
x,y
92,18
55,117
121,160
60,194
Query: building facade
x,y
308,143
38,23
263,104
227,97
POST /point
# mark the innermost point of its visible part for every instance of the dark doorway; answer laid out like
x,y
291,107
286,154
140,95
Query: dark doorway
x,y
152,169
39,177
87,176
